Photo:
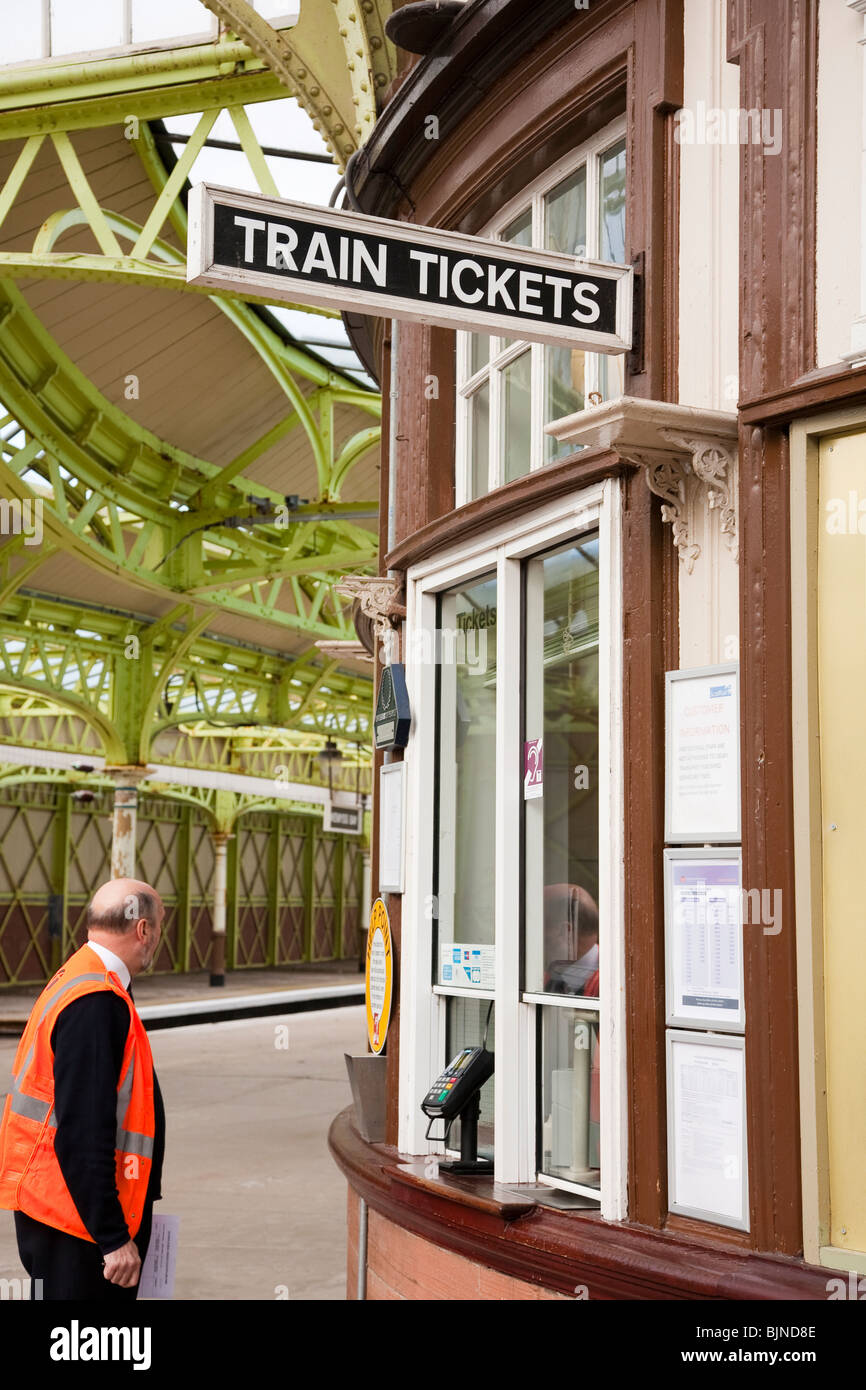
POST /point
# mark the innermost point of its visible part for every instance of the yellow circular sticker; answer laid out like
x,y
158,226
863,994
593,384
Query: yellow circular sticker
x,y
380,975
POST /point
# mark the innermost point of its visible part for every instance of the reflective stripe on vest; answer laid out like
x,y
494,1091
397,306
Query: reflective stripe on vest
x,y
128,1141
28,1106
49,1004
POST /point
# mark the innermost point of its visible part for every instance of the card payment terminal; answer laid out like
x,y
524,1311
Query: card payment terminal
x,y
456,1093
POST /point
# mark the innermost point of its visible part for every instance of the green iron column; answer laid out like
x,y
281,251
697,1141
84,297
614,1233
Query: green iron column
x,y
339,896
309,885
60,877
220,840
184,888
274,854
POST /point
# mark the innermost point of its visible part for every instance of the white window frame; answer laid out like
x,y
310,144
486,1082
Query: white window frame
x,y
423,1005
501,355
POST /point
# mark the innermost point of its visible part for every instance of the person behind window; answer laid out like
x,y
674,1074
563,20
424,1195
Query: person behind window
x,y
570,941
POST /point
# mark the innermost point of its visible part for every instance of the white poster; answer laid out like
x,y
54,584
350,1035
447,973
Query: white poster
x,y
707,1170
702,763
704,938
391,820
157,1275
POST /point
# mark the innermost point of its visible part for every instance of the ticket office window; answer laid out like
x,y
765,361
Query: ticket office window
x,y
561,852
464,821
527,905
508,389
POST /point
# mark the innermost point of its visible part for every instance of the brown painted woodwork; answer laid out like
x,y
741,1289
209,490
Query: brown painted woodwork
x,y
425,426
517,91
655,92
697,1230
533,96
513,500
649,648
483,47
556,1249
775,44
830,388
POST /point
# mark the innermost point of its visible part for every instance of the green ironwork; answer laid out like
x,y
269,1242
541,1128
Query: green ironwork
x,y
49,96
53,847
113,686
101,490
129,503
162,696
252,63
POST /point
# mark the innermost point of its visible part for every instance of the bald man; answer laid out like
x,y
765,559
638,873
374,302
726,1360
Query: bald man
x,y
83,1130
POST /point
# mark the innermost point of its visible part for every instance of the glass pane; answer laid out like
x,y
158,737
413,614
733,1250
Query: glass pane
x,y
519,232
22,40
465,1027
273,9
570,1096
516,417
169,19
564,378
479,352
479,407
77,28
464,838
561,824
611,213
564,369
565,215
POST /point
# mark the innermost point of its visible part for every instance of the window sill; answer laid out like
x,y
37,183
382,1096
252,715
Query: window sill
x,y
510,1202
515,1231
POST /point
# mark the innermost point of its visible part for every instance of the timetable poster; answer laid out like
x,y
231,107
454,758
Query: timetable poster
x,y
704,937
707,1161
702,774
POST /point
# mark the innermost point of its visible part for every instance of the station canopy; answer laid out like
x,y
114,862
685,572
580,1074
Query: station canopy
x,y
186,474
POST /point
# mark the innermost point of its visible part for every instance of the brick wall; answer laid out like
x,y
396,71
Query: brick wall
x,y
401,1265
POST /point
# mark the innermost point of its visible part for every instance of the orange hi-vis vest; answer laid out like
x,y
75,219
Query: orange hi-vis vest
x,y
30,1177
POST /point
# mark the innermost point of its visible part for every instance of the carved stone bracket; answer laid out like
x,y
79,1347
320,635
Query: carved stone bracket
x,y
688,456
666,477
376,599
715,465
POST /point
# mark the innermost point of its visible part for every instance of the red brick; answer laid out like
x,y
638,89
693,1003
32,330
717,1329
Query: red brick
x,y
378,1291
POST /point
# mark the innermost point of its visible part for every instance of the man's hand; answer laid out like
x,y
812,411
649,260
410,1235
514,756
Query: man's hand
x,y
123,1266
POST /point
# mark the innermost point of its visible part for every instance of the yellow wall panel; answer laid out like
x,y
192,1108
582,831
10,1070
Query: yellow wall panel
x,y
842,716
